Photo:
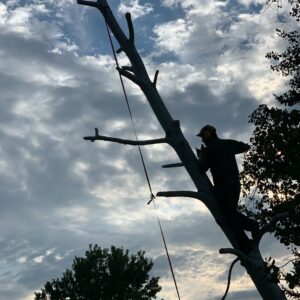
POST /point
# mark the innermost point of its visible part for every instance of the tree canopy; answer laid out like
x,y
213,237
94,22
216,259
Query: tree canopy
x,y
271,176
104,274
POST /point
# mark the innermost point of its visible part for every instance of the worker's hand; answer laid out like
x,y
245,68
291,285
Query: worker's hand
x,y
202,152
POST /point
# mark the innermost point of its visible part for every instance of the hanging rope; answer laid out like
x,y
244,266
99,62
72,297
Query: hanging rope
x,y
129,110
166,248
152,197
229,277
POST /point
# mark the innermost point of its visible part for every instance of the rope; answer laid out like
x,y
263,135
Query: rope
x,y
166,248
229,277
152,197
129,110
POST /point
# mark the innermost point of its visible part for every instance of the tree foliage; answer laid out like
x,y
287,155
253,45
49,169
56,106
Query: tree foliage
x,y
272,166
104,274
287,63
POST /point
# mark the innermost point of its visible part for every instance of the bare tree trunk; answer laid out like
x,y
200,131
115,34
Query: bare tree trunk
x,y
253,262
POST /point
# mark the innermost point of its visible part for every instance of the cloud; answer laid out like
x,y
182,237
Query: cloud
x,y
172,36
247,295
226,43
58,82
170,3
135,8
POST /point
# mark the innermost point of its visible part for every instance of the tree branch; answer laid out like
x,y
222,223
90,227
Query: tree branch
x,y
242,256
88,3
119,50
127,68
130,76
100,4
130,28
272,222
155,77
189,194
201,195
98,137
176,165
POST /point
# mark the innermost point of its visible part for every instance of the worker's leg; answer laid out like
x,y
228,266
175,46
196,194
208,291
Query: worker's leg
x,y
227,193
246,223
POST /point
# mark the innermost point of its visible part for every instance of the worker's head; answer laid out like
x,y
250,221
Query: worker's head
x,y
207,132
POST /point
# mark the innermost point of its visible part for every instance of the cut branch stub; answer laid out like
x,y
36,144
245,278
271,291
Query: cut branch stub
x,y
131,32
130,28
127,68
88,3
242,256
119,50
100,4
175,165
155,77
130,76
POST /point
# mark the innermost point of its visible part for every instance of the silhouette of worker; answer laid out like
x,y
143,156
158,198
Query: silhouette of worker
x,y
219,157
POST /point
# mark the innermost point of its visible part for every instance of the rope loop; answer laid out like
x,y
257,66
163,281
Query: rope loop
x,y
152,197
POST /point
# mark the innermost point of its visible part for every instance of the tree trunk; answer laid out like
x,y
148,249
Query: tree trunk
x,y
253,262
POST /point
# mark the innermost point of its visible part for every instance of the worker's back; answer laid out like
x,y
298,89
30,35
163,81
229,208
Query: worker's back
x,y
220,157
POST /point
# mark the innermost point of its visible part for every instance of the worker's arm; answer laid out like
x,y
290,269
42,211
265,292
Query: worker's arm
x,y
240,147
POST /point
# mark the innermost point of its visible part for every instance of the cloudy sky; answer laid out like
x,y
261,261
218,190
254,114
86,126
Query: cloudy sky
x,y
58,82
